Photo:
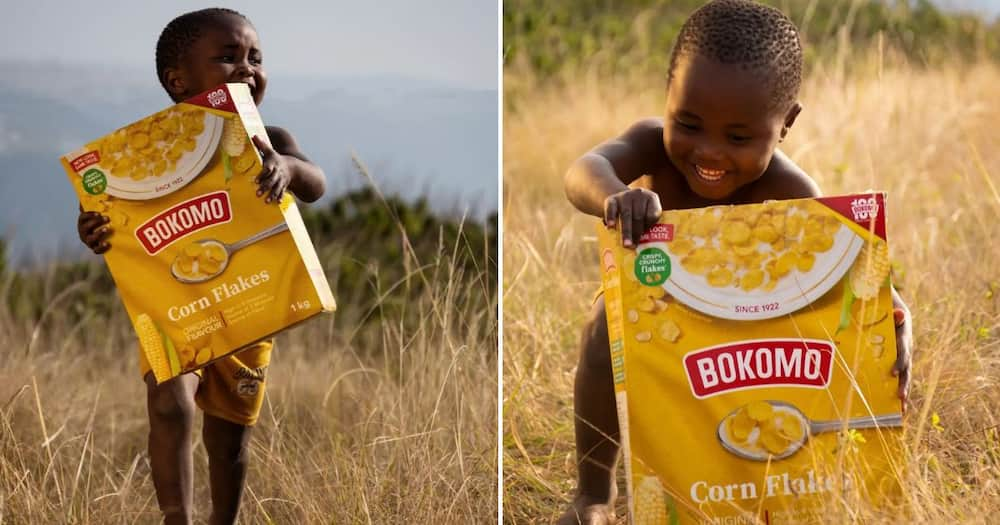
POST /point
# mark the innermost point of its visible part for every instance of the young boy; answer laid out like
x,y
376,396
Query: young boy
x,y
734,77
195,52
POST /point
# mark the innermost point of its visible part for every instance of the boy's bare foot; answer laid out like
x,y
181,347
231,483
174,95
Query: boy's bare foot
x,y
586,511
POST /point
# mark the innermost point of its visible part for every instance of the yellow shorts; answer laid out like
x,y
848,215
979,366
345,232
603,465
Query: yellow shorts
x,y
231,388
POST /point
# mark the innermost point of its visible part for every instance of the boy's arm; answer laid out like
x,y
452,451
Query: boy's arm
x,y
286,167
597,182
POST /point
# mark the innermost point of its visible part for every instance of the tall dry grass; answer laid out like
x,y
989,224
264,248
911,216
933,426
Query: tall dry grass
x,y
927,136
395,424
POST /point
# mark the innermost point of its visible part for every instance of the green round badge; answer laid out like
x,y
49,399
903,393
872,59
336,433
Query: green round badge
x,y
94,181
652,267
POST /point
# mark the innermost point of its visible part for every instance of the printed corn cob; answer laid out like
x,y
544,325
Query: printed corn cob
x,y
870,269
234,139
650,506
152,343
237,155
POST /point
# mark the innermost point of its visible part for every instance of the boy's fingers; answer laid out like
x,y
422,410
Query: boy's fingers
x,y
638,221
269,186
262,145
266,172
626,215
904,385
276,189
610,212
653,211
98,235
901,369
91,220
265,180
899,317
101,248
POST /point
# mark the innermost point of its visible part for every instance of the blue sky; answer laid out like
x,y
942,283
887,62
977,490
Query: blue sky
x,y
989,8
449,41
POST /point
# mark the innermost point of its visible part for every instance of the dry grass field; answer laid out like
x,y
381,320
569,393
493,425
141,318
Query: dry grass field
x,y
927,136
389,422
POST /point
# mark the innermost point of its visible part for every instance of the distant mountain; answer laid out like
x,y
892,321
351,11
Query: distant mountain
x,y
418,138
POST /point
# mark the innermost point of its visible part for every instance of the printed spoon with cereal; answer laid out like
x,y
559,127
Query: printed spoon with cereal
x,y
202,260
776,430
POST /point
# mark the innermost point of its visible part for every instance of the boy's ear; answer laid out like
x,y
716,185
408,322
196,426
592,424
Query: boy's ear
x,y
790,117
174,80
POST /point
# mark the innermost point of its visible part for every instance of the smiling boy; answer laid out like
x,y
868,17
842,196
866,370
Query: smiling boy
x,y
732,89
196,52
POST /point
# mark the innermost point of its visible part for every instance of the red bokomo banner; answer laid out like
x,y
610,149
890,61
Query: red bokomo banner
x,y
187,217
759,363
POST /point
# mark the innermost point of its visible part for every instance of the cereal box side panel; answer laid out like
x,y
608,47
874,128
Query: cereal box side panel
x,y
251,124
308,253
613,261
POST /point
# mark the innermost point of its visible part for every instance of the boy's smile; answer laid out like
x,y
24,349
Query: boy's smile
x,y
721,126
226,51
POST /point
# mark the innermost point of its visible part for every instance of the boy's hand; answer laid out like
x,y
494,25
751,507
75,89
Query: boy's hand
x,y
636,208
275,175
904,341
94,230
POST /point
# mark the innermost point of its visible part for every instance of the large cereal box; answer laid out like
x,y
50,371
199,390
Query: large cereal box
x,y
203,266
752,349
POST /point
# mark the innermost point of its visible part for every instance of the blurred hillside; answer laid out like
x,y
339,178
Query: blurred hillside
x,y
422,139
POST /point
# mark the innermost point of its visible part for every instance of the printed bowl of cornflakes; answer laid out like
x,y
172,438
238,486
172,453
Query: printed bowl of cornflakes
x,y
159,154
755,262
763,430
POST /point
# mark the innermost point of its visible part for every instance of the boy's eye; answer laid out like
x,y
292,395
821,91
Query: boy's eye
x,y
687,125
256,61
739,139
225,58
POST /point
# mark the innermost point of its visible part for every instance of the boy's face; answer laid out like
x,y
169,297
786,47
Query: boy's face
x,y
227,51
720,129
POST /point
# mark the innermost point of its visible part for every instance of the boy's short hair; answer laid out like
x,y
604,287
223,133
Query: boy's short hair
x,y
183,31
760,38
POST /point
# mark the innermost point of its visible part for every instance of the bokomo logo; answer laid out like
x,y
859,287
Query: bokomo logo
x,y
864,209
187,217
802,363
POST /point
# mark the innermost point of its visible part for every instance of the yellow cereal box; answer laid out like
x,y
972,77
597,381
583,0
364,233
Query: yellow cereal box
x,y
202,264
752,349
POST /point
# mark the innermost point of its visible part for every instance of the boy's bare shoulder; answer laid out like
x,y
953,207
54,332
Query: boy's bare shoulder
x,y
637,151
645,136
783,179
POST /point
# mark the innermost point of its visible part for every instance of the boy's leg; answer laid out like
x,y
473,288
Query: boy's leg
x,y
226,443
596,426
231,395
171,410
